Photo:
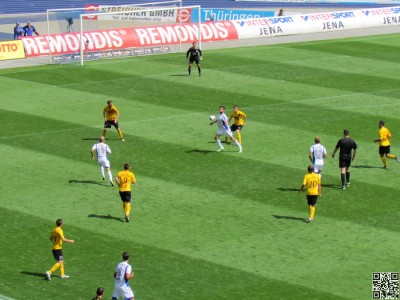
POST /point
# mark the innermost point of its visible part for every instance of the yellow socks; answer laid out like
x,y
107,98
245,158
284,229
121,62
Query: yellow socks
x,y
104,132
120,133
391,156
127,208
384,161
54,268
312,211
62,270
239,136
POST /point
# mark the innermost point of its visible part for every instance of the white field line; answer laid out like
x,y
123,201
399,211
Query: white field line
x,y
244,108
2,297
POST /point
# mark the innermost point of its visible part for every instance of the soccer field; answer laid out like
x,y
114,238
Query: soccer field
x,y
205,225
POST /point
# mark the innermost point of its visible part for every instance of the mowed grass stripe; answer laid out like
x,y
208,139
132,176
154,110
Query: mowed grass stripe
x,y
366,49
295,154
156,269
166,158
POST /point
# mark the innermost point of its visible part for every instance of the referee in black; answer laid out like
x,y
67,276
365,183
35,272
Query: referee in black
x,y
194,55
346,145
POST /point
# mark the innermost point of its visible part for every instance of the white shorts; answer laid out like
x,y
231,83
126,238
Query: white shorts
x,y
104,163
227,133
318,168
124,291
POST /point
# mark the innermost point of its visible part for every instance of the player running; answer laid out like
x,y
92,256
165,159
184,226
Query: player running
x,y
223,129
102,150
240,121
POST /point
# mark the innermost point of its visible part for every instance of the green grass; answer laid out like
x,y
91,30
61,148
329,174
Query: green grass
x,y
205,225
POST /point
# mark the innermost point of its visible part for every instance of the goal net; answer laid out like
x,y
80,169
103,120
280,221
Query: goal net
x,y
143,31
61,21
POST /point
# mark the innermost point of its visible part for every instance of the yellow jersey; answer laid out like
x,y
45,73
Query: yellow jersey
x,y
239,117
126,177
384,136
57,236
312,181
110,113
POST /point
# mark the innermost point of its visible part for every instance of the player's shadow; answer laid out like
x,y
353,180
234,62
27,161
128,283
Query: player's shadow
x,y
35,274
366,167
200,151
290,218
106,217
288,190
186,75
85,182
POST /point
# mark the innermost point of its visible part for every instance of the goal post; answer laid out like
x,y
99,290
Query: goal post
x,y
144,31
67,20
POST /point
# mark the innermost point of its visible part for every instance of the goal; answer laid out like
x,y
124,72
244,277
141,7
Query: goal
x,y
67,20
143,31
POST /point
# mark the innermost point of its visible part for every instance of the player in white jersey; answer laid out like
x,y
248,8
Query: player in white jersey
x,y
317,154
102,150
123,272
224,129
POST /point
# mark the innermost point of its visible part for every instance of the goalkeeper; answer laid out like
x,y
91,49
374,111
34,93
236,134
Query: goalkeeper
x,y
194,55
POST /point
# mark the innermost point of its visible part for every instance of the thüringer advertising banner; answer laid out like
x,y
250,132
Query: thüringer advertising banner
x,y
155,36
11,50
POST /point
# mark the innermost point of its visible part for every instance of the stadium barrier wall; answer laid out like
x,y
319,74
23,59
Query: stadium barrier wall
x,y
149,36
11,50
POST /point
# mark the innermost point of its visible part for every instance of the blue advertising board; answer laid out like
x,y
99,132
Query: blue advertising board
x,y
217,14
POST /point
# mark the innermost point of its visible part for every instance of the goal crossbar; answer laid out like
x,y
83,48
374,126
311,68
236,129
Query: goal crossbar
x,y
89,15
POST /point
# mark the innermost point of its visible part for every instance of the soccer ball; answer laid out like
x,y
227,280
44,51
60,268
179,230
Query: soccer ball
x,y
212,118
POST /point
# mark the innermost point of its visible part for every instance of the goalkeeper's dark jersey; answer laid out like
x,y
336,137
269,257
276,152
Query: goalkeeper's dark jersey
x,y
193,54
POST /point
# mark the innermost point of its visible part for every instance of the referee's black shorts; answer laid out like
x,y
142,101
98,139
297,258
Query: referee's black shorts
x,y
344,162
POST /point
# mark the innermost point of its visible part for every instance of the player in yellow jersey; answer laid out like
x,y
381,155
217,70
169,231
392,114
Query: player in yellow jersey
x,y
384,144
124,179
240,121
57,238
111,115
312,182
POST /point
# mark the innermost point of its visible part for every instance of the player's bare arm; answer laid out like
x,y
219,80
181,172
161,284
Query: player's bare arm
x,y
68,241
117,180
129,276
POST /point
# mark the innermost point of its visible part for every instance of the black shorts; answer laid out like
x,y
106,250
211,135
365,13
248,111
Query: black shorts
x,y
194,59
58,255
384,150
344,162
312,199
235,127
125,196
108,124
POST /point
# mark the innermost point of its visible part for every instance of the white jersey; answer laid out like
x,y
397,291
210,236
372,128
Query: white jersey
x,y
221,121
122,269
318,152
101,151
